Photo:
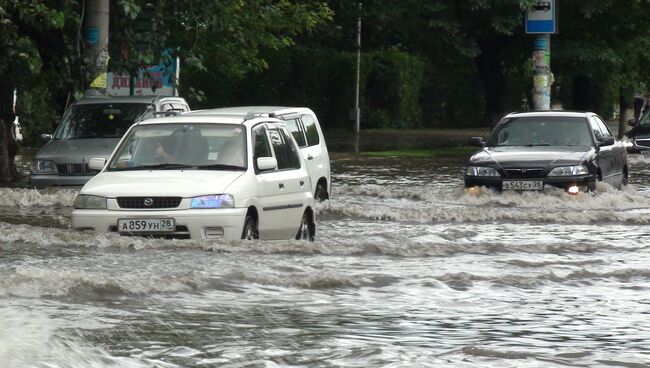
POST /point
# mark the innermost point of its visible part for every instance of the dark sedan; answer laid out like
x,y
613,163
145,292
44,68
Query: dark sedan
x,y
637,139
533,150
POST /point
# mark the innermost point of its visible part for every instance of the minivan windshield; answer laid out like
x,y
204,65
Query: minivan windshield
x,y
542,131
199,146
100,120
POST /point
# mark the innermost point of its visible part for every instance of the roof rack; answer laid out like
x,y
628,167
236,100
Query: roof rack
x,y
259,114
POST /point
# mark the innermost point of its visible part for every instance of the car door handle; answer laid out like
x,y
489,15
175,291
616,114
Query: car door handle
x,y
281,186
310,157
302,183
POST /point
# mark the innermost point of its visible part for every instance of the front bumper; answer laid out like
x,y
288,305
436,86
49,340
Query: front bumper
x,y
190,223
588,182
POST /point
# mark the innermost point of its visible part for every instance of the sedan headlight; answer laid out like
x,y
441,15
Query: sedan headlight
x,y
569,170
481,171
42,167
213,201
90,202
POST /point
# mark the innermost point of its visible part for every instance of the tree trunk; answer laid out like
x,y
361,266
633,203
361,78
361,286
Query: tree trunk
x,y
623,106
490,68
8,172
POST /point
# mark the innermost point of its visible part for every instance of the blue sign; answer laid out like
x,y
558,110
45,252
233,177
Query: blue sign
x,y
92,35
541,43
541,17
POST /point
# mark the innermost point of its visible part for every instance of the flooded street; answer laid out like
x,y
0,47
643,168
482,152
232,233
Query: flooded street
x,y
407,270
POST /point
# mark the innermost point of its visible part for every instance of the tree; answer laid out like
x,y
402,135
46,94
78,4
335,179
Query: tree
x,y
43,46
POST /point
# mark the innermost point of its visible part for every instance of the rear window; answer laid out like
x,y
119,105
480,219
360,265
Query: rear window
x,y
100,120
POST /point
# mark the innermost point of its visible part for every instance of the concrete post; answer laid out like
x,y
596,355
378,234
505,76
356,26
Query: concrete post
x,y
542,76
96,39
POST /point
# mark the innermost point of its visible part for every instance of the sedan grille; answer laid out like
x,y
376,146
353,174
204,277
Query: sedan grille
x,y
535,172
643,142
75,169
148,202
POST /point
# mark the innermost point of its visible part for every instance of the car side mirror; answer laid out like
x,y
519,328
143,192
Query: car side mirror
x,y
96,164
606,141
46,137
631,122
477,141
267,163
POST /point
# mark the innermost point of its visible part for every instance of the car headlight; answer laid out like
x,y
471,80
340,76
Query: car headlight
x,y
569,170
481,171
89,202
213,201
43,167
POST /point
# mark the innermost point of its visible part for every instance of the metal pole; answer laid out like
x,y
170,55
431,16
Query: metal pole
x,y
357,111
542,76
96,38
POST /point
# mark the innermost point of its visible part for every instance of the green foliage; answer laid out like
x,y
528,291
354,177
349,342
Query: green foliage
x,y
391,93
37,114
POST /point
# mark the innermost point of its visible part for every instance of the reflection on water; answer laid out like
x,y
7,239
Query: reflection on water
x,y
407,271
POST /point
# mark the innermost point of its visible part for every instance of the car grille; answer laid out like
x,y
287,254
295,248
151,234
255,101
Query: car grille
x,y
644,142
75,169
535,172
156,202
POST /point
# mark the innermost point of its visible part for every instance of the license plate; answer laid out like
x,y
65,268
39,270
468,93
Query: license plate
x,y
523,185
145,225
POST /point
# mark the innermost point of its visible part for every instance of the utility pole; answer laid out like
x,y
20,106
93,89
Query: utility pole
x,y
96,39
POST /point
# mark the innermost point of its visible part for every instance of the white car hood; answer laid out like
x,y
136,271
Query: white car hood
x,y
183,183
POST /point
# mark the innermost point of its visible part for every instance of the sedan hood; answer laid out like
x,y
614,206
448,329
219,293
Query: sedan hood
x,y
184,183
542,156
77,150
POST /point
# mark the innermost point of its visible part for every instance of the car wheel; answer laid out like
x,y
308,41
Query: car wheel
x,y
250,231
305,232
321,192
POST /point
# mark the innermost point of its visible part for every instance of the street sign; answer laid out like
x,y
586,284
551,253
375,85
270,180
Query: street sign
x,y
541,17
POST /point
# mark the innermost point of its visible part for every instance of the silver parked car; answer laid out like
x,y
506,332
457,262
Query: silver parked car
x,y
89,128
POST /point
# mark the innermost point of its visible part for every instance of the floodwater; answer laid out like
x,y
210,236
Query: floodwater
x,y
407,271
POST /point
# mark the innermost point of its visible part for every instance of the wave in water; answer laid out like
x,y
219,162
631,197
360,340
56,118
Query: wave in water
x,y
464,280
32,339
12,197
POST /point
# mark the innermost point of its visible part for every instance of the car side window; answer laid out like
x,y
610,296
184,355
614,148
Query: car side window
x,y
285,152
594,126
603,127
310,130
261,146
296,130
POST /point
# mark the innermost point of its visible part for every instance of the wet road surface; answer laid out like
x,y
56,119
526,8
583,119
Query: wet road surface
x,y
407,271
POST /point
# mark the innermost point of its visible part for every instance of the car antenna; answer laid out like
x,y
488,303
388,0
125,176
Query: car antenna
x,y
139,119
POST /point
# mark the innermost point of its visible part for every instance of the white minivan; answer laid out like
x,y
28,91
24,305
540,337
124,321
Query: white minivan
x,y
306,130
201,176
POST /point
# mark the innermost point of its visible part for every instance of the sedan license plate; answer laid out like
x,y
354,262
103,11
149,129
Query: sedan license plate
x,y
523,185
142,225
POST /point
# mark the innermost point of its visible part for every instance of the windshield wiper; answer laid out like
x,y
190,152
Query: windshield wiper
x,y
156,167
221,167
